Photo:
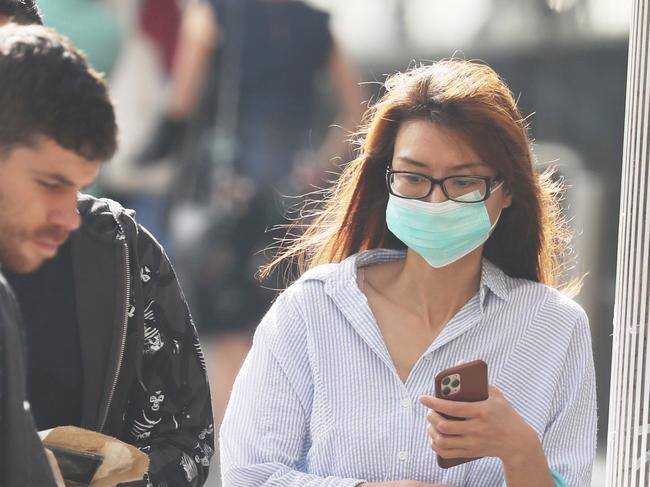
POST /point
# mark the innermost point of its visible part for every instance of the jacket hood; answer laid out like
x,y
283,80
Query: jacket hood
x,y
102,217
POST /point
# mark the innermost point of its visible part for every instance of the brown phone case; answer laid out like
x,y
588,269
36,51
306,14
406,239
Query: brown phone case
x,y
472,386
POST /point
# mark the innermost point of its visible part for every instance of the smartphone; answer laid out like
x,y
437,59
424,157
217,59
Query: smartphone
x,y
76,466
467,382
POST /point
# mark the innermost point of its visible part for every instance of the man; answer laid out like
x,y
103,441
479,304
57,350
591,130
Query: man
x,y
56,124
112,345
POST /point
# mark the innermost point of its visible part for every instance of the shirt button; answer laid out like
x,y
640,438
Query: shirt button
x,y
402,456
405,403
427,357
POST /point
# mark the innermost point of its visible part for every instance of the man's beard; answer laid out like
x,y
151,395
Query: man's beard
x,y
11,257
12,240
13,237
9,237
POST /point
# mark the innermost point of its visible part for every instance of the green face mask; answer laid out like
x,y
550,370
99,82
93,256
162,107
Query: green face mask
x,y
441,233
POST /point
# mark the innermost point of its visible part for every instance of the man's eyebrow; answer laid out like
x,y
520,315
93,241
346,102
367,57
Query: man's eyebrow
x,y
58,178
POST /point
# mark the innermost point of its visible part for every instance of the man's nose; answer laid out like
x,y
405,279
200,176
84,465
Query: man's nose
x,y
66,217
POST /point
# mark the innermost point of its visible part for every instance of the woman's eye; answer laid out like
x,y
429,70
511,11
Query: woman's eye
x,y
413,178
463,183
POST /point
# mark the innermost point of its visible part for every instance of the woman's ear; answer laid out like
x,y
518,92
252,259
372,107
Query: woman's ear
x,y
507,199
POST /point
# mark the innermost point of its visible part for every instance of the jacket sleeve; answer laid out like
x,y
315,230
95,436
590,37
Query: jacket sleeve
x,y
22,457
170,413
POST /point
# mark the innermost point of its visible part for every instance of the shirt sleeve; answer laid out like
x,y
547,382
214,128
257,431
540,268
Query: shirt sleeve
x,y
570,437
559,481
264,436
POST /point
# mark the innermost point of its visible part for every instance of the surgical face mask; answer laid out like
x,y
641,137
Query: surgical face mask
x,y
441,233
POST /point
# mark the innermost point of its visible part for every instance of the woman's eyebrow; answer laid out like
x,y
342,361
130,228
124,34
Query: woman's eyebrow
x,y
456,167
413,162
468,165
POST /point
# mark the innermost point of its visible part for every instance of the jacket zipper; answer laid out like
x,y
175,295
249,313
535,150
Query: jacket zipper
x,y
120,358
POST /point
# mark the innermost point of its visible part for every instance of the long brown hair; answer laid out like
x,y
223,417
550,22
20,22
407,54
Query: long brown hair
x,y
469,98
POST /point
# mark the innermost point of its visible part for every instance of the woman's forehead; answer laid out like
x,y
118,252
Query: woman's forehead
x,y
429,145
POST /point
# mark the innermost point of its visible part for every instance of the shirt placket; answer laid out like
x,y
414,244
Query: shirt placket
x,y
405,413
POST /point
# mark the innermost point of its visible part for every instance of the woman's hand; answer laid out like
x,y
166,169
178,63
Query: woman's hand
x,y
492,428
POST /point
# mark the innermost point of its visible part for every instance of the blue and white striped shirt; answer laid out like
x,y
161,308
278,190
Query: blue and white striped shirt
x,y
318,401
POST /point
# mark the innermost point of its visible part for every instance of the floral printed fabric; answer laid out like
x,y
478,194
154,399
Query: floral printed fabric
x,y
169,416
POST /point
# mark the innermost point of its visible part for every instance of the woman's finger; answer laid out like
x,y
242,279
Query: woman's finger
x,y
456,409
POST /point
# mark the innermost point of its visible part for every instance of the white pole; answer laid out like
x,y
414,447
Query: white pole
x,y
629,408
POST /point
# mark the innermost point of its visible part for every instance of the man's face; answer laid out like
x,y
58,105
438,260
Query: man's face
x,y
38,201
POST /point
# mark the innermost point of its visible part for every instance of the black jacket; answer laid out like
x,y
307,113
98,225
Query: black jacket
x,y
22,459
144,375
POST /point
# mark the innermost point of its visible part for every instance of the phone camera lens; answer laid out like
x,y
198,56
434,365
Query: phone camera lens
x,y
446,391
455,383
446,381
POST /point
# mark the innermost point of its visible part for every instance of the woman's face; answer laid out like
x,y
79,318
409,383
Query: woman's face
x,y
433,150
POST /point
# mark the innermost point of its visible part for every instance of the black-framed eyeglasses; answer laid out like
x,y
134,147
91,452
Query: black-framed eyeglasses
x,y
416,186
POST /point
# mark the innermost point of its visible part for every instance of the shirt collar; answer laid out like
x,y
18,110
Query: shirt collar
x,y
493,279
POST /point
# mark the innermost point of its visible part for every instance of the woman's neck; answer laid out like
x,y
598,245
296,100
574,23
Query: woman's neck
x,y
435,294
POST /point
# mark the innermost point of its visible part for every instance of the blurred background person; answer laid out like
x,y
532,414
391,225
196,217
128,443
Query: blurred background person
x,y
248,70
138,83
133,42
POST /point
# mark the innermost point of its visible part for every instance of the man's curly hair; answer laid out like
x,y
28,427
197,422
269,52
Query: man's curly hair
x,y
47,89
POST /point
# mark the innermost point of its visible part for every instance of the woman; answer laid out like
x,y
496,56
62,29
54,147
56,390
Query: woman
x,y
440,243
